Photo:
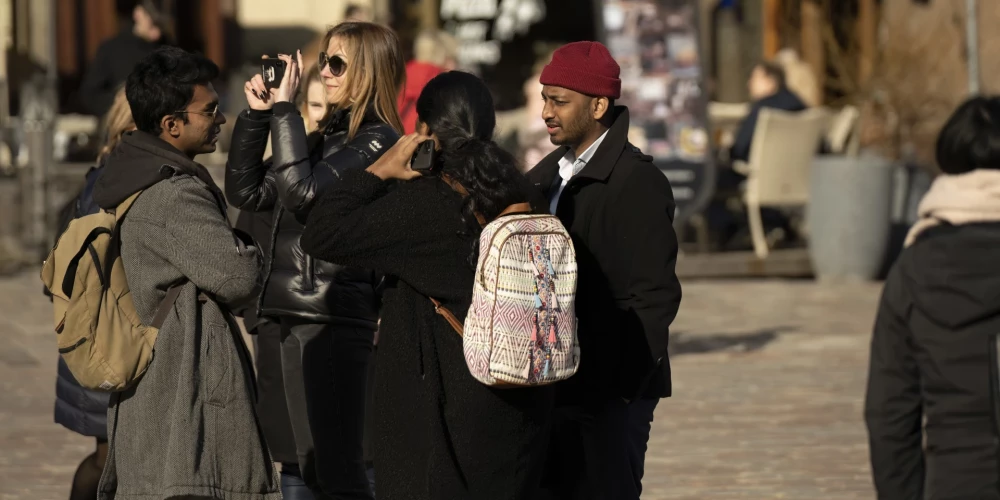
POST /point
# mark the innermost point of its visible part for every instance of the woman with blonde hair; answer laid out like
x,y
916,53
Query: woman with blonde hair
x,y
312,98
272,405
117,123
328,313
81,410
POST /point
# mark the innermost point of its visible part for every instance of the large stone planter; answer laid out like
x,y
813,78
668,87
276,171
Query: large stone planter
x,y
849,216
911,183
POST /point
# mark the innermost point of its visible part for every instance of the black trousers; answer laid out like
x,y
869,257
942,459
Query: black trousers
x,y
325,369
272,406
599,452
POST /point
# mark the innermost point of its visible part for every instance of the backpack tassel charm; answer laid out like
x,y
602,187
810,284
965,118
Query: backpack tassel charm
x,y
534,263
534,330
548,265
538,301
552,331
545,371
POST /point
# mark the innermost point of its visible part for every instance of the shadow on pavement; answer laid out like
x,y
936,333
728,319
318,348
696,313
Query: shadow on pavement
x,y
681,344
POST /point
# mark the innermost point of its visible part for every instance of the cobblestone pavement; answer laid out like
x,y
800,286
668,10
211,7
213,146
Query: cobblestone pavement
x,y
769,378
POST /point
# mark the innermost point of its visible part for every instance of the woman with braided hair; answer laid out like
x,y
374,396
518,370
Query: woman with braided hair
x,y
438,433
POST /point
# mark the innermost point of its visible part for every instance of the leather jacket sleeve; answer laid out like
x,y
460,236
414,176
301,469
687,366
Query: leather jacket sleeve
x,y
250,184
300,179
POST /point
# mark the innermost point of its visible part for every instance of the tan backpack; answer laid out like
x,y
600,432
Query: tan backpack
x,y
100,335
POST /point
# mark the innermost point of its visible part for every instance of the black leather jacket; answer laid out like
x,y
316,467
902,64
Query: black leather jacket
x,y
295,284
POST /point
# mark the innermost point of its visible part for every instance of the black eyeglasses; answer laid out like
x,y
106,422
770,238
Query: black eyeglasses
x,y
211,114
337,64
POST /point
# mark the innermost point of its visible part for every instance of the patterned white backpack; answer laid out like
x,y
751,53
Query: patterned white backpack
x,y
521,327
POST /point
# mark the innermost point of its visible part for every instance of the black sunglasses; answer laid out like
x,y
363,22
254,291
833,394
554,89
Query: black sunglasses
x,y
337,64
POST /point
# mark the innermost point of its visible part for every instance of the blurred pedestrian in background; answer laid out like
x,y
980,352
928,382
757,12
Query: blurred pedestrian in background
x,y
932,400
799,77
358,13
81,410
532,137
312,99
116,57
434,52
768,89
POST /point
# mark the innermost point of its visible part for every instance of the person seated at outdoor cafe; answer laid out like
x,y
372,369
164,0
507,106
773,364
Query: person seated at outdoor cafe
x,y
768,90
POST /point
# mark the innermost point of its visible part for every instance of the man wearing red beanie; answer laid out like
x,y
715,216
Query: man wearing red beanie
x,y
619,210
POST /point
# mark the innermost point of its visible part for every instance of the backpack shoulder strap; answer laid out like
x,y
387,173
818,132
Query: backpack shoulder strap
x,y
449,316
114,252
114,247
122,209
517,208
166,306
464,193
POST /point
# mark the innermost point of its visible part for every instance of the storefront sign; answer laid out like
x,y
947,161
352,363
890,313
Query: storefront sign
x,y
656,43
481,26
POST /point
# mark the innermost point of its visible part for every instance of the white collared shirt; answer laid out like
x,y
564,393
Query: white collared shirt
x,y
569,166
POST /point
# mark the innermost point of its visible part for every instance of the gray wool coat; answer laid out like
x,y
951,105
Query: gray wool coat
x,y
188,427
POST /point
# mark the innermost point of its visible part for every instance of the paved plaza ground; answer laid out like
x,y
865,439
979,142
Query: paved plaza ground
x,y
768,384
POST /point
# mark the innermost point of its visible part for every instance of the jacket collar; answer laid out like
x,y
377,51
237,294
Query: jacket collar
x,y
140,161
340,120
603,162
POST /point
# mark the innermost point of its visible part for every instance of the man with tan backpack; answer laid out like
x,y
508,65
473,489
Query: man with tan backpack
x,y
142,294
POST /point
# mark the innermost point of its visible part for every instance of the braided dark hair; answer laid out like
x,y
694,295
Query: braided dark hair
x,y
458,109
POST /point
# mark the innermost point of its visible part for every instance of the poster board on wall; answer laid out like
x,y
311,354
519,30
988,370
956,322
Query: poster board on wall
x,y
500,40
656,43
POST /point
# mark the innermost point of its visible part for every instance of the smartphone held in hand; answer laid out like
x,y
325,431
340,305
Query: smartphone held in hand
x,y
272,70
425,157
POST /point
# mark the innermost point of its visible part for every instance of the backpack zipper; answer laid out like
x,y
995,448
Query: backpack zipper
x,y
505,223
68,349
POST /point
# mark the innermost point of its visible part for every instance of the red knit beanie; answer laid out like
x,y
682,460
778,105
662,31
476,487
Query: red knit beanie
x,y
584,67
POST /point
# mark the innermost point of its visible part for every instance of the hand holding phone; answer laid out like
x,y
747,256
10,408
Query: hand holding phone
x,y
258,97
288,82
396,163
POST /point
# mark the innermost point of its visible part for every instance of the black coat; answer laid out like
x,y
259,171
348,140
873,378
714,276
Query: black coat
x,y
259,226
114,61
784,100
933,372
295,283
438,432
272,407
78,409
619,211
